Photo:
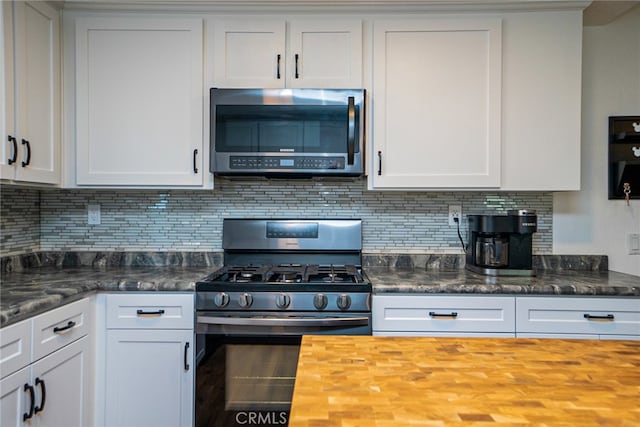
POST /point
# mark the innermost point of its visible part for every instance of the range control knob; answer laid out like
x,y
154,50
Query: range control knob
x,y
245,300
344,302
221,299
283,300
320,301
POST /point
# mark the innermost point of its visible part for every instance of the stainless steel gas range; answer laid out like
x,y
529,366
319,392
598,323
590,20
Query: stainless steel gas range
x,y
281,279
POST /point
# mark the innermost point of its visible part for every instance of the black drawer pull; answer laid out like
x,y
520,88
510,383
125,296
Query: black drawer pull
x,y
186,362
32,395
278,66
44,395
27,160
379,163
610,317
150,313
452,315
195,160
13,158
70,324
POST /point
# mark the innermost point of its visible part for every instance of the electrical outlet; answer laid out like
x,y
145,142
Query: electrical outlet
x,y
455,211
93,214
633,243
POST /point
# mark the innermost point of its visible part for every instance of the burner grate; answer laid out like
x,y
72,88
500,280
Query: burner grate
x,y
331,274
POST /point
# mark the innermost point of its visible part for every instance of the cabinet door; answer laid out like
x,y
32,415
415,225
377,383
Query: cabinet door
x,y
15,400
578,315
443,315
325,54
55,329
542,88
248,53
15,347
149,378
32,111
63,392
144,311
139,101
8,154
436,103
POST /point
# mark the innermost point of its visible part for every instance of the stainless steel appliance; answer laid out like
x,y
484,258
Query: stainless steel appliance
x,y
281,279
292,132
502,244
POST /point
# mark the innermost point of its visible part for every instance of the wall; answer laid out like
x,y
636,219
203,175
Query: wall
x,y
395,222
586,222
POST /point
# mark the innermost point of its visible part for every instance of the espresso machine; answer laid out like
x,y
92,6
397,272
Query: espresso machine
x,y
501,245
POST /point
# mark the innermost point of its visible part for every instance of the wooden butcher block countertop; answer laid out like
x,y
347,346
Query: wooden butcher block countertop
x,y
368,381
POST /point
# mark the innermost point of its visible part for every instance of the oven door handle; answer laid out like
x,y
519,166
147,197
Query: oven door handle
x,y
286,321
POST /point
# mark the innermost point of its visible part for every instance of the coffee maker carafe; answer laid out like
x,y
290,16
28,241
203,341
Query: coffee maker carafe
x,y
502,244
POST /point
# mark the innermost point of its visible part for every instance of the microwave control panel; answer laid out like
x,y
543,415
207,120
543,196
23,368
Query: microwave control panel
x,y
286,162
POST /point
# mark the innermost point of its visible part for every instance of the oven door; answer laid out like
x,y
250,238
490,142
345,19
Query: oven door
x,y
246,364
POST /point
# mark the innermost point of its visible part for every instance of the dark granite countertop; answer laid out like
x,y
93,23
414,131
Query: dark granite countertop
x,y
35,290
552,282
30,292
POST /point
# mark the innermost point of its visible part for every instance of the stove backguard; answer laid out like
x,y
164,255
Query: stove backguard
x,y
292,241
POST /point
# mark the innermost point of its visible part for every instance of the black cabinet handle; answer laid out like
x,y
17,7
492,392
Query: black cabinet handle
x,y
186,362
592,317
13,158
32,395
44,395
150,313
70,324
28,159
453,314
195,161
297,75
351,130
278,66
379,163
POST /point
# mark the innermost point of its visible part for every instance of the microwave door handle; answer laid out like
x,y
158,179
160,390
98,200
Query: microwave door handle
x,y
351,130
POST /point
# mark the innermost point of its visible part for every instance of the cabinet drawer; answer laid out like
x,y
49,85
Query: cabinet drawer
x,y
15,347
575,315
56,328
411,313
150,311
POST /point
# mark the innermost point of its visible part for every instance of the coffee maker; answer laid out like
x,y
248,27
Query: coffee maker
x,y
501,245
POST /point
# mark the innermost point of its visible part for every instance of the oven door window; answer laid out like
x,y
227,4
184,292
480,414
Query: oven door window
x,y
246,381
282,128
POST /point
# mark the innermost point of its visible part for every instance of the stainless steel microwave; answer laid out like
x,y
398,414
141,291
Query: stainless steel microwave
x,y
296,132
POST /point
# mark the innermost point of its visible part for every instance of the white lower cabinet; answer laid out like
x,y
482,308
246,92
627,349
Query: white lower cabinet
x,y
53,390
148,361
578,317
150,378
429,315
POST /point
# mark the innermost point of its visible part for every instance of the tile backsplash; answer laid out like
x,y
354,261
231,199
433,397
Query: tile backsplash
x,y
183,220
19,220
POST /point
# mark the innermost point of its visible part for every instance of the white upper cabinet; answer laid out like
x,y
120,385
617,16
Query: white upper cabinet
x,y
139,102
477,102
541,103
256,52
247,53
325,54
436,103
30,95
